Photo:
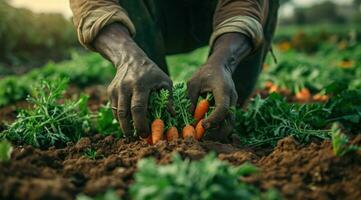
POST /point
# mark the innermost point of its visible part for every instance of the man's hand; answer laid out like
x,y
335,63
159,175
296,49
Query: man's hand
x,y
216,77
136,77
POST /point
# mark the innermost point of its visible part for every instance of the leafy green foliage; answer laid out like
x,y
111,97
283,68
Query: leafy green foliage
x,y
208,178
47,36
330,65
182,104
5,151
106,123
158,102
108,195
346,108
50,122
268,120
82,70
91,154
340,142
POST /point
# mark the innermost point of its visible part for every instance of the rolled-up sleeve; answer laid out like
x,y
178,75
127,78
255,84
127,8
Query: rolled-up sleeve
x,y
90,16
242,16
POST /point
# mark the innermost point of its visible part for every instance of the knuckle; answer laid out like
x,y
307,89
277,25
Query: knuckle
x,y
222,108
191,86
123,85
138,109
166,85
122,113
169,82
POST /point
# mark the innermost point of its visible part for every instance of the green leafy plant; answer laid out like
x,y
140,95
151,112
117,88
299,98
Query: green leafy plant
x,y
158,102
346,109
5,151
182,105
208,178
81,70
267,120
91,154
340,142
49,122
106,124
108,195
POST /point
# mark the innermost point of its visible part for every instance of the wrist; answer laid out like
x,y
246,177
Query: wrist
x,y
111,42
229,50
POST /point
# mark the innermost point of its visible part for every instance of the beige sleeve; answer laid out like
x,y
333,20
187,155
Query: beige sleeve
x,y
90,16
241,16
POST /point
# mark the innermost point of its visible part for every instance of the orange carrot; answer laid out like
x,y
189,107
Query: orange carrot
x,y
268,84
157,130
188,131
274,88
320,97
303,95
200,130
201,109
172,133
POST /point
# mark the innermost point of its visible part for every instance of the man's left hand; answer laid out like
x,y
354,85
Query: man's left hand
x,y
216,77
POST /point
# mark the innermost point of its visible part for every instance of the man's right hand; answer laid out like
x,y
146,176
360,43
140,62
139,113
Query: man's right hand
x,y
135,78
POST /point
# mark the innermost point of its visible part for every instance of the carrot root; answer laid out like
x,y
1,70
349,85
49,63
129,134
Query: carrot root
x,y
304,95
201,110
200,130
172,134
188,131
157,130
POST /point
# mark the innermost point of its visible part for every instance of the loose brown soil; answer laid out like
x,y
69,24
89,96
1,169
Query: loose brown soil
x,y
297,171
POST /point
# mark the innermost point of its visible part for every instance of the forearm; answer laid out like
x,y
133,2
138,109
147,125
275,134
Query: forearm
x,y
229,50
91,16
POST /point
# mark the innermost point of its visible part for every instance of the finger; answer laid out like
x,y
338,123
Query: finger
x,y
113,98
234,99
222,103
123,114
193,94
139,107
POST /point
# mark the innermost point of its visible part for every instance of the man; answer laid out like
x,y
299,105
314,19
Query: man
x,y
238,32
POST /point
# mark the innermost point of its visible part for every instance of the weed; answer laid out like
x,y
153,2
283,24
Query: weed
x,y
91,154
268,120
208,178
50,123
106,123
340,142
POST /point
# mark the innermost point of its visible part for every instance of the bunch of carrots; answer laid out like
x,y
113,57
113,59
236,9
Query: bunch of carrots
x,y
166,126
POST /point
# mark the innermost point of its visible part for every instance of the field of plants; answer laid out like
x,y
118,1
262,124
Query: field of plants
x,y
298,137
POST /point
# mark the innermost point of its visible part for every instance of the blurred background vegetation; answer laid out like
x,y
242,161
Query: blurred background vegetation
x,y
31,39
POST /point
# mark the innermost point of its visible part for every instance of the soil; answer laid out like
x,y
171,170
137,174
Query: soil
x,y
298,171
